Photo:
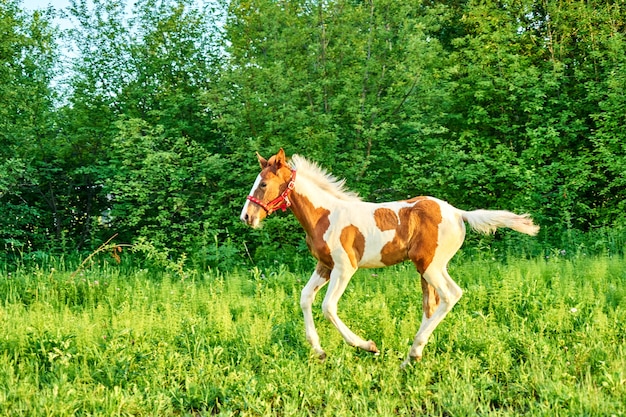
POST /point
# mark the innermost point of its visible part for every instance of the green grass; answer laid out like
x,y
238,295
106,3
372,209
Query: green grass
x,y
532,337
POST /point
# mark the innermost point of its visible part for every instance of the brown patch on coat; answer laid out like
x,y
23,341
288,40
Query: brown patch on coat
x,y
430,298
415,199
386,219
424,245
315,222
353,244
323,272
416,235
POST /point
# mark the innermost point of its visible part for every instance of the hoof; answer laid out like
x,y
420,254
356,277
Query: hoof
x,y
409,361
371,346
319,353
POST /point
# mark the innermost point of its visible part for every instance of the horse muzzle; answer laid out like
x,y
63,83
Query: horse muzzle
x,y
251,216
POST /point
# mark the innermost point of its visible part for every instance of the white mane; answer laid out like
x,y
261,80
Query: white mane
x,y
322,179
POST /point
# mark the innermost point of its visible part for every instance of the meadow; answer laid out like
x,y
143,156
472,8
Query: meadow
x,y
536,337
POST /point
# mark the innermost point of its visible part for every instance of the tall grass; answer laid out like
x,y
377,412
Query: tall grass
x,y
529,337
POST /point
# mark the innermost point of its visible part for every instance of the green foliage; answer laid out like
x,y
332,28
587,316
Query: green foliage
x,y
27,63
149,130
159,184
531,337
332,81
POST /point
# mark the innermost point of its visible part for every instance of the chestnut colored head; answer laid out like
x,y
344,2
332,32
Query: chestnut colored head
x,y
270,190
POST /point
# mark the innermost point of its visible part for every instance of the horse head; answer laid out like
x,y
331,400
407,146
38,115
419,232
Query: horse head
x,y
270,190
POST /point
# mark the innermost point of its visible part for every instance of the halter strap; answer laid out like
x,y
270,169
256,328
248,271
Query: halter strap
x,y
282,201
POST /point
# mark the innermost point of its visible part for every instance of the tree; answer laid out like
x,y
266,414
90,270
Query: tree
x,y
337,81
27,63
146,79
524,82
515,105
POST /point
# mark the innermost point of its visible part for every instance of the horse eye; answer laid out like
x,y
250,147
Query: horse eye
x,y
263,184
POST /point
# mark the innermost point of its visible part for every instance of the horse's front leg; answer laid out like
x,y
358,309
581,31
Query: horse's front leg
x,y
319,278
339,278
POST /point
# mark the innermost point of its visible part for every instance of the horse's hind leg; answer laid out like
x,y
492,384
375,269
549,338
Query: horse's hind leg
x,y
437,278
430,299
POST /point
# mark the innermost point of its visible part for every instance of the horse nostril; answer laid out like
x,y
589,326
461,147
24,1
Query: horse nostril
x,y
246,217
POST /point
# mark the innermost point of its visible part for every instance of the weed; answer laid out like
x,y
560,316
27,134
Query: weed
x,y
530,336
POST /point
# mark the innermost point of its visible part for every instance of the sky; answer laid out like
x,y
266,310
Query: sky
x,y
31,5
42,4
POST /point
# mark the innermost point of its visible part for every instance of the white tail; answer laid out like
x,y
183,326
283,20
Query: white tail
x,y
487,221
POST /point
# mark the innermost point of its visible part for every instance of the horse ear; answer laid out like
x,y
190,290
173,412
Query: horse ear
x,y
281,159
262,161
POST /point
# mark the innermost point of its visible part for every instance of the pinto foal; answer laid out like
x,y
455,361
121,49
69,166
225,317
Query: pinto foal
x,y
345,233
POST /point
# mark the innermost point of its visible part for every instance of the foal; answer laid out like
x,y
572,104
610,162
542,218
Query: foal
x,y
345,233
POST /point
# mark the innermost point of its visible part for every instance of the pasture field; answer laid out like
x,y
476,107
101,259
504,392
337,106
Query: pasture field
x,y
539,337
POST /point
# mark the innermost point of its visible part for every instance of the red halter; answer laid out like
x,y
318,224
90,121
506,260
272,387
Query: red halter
x,y
281,202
